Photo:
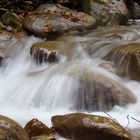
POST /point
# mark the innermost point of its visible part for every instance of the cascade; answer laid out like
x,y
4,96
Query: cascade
x,y
28,90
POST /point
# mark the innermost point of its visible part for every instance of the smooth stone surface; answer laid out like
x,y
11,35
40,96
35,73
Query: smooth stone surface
x,y
51,21
126,59
78,126
11,130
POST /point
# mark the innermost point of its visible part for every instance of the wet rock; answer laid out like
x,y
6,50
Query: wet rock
x,y
92,91
82,5
101,41
133,7
12,21
52,51
38,130
136,11
115,34
78,126
53,20
10,43
108,66
11,130
20,5
46,52
126,60
109,12
135,133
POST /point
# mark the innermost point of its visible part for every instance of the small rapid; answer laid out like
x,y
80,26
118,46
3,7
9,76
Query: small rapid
x,y
31,91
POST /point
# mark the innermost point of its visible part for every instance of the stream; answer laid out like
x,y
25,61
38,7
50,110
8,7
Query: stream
x,y
31,91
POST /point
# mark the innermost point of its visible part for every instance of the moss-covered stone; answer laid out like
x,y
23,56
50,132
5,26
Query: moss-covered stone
x,y
46,52
13,20
126,59
52,51
11,130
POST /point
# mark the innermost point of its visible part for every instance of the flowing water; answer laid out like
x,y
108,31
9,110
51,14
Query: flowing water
x,y
31,91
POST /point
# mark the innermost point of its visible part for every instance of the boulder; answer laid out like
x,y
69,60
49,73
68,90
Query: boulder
x,y
10,43
37,129
12,20
11,130
113,34
108,66
52,21
92,91
82,5
78,126
135,12
52,51
126,60
109,12
46,52
133,7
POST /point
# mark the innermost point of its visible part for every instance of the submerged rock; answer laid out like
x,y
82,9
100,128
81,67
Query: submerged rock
x,y
52,51
46,52
108,66
126,59
92,91
78,126
53,20
97,92
38,130
11,130
114,34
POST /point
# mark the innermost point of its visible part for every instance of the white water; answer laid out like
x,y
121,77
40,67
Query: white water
x,y
28,91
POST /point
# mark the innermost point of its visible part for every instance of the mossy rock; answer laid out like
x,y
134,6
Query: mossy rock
x,y
52,51
13,20
126,59
11,130
51,21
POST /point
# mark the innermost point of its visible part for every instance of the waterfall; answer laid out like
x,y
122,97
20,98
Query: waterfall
x,y
31,91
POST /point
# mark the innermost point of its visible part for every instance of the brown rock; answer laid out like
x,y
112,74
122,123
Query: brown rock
x,y
11,130
52,51
12,21
126,60
93,91
37,129
53,20
10,43
109,12
78,126
46,52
